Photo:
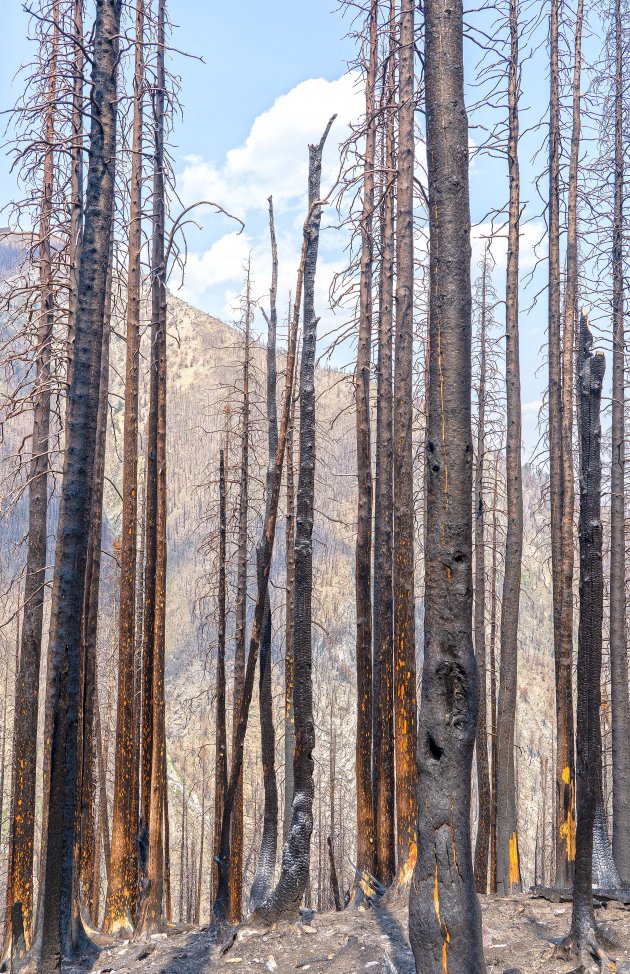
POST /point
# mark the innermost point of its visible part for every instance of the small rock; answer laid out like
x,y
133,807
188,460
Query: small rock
x,y
271,964
306,927
512,970
559,913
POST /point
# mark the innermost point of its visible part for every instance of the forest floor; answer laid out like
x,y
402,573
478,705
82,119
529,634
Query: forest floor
x,y
519,938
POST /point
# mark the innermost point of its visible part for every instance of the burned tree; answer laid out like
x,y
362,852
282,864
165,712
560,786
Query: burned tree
x,y
444,913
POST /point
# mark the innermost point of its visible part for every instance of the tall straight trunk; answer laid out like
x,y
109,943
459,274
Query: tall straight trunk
x,y
406,734
68,595
619,700
220,773
561,559
383,626
26,706
87,748
76,179
202,837
483,778
582,939
289,723
237,835
286,897
444,913
363,555
3,748
493,680
151,906
508,860
266,863
121,889
221,902
334,881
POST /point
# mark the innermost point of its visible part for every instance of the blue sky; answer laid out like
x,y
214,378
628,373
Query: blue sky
x,y
271,76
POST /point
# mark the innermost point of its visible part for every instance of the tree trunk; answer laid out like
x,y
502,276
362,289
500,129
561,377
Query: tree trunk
x,y
26,707
483,779
383,626
363,554
444,913
266,864
620,705
562,607
582,940
289,721
151,906
508,860
123,880
406,735
76,498
220,774
237,835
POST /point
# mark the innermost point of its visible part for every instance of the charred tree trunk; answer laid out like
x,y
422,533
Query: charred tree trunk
x,y
406,734
444,913
483,778
558,468
237,834
289,717
583,937
620,705
123,879
363,555
383,626
508,860
76,499
265,866
151,906
22,828
220,774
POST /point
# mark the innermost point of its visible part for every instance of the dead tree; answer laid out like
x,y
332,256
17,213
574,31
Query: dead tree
x,y
584,939
363,554
620,704
508,871
406,735
220,774
123,879
483,778
289,724
266,863
64,672
383,625
444,913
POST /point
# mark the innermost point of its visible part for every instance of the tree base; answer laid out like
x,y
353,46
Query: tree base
x,y
589,947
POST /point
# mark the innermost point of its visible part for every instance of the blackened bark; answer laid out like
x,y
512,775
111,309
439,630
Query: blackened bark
x,y
444,913
266,863
76,498
493,680
237,835
151,907
582,939
363,553
562,606
406,734
23,779
289,724
123,879
619,700
383,626
483,778
508,876
220,775
285,900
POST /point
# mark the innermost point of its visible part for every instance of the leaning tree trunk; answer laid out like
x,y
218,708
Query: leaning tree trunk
x,y
619,700
266,863
23,780
285,900
483,776
363,552
151,906
383,626
583,937
508,861
444,913
123,880
406,735
76,498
